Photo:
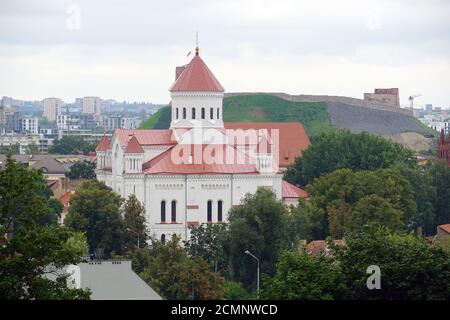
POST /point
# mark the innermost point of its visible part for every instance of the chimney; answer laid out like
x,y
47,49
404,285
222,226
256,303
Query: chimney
x,y
178,71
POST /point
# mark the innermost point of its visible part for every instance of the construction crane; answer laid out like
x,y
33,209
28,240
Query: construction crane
x,y
411,100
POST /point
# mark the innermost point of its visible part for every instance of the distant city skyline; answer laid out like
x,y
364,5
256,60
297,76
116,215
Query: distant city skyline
x,y
129,50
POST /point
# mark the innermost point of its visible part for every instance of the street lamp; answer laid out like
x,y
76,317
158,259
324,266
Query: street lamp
x,y
137,233
257,271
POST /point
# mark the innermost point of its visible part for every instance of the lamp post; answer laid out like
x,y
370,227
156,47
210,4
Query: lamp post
x,y
137,233
257,270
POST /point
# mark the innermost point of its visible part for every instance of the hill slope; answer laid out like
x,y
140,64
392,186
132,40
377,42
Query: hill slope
x,y
261,108
316,116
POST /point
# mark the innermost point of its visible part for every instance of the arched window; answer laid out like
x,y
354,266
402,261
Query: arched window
x,y
176,111
203,113
193,113
163,238
184,113
209,211
219,210
211,113
218,113
163,211
174,211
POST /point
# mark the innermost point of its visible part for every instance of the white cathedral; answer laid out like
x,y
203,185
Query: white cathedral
x,y
195,171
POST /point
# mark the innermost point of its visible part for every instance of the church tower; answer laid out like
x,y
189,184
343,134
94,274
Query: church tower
x,y
196,97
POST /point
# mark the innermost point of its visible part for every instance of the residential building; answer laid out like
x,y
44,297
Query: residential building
x,y
91,105
13,122
199,168
113,122
23,140
7,102
52,108
29,124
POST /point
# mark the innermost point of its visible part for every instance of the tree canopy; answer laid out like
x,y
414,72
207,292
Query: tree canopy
x,y
344,149
31,245
259,225
409,269
350,199
82,169
176,275
71,145
95,210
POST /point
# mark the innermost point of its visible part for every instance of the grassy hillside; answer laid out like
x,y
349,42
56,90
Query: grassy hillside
x,y
316,117
160,120
261,108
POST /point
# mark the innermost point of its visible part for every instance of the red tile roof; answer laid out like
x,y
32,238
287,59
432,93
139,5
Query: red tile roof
x,y
145,137
291,191
292,135
133,146
103,145
234,161
445,227
65,198
197,77
318,247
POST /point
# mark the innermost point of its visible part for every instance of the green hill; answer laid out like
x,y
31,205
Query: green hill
x,y
317,117
261,108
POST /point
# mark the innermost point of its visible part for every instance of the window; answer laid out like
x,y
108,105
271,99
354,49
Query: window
x,y
193,113
209,211
184,113
211,113
203,113
163,238
174,211
176,111
163,211
218,113
219,210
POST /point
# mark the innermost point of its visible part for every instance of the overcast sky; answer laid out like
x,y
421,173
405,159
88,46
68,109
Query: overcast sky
x,y
127,50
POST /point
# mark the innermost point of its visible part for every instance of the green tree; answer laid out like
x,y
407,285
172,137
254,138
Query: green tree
x,y
210,242
32,149
440,180
410,268
304,277
12,149
259,225
82,169
30,249
344,149
95,210
337,195
175,275
71,145
134,223
234,290
425,196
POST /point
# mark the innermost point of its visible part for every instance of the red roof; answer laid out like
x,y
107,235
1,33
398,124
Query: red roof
x,y
292,137
291,191
134,146
318,247
103,145
445,227
234,161
65,198
145,137
197,77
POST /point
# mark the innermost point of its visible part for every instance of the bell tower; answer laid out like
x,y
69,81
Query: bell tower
x,y
197,96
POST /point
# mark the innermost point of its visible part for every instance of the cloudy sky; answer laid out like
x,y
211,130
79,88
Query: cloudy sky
x,y
127,50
